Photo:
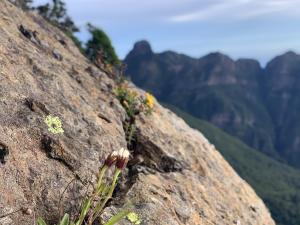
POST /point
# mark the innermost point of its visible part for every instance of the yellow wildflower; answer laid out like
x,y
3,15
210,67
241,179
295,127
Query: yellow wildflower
x,y
54,124
149,100
134,218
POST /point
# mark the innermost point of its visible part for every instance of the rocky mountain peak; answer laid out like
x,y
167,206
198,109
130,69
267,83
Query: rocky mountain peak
x,y
217,57
142,47
286,59
289,54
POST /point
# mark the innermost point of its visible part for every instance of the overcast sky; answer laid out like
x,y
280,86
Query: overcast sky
x,y
258,29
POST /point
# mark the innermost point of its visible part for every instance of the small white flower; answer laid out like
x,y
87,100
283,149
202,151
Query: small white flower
x,y
122,159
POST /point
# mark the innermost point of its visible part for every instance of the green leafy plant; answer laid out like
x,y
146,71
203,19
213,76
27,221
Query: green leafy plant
x,y
94,204
129,100
100,46
133,105
56,14
23,4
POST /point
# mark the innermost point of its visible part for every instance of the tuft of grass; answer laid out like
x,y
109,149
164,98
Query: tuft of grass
x,y
93,205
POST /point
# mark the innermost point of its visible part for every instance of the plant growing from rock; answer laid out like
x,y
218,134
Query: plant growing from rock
x,y
133,105
23,4
56,13
94,204
99,45
129,100
130,103
148,103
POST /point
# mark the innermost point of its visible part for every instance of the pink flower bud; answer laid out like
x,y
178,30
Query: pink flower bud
x,y
111,159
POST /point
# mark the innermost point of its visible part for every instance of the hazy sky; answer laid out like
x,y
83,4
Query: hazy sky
x,y
259,29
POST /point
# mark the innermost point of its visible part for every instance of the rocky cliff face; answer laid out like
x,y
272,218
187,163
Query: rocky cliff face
x,y
180,178
282,82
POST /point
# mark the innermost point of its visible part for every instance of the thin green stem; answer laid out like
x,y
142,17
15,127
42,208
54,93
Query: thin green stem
x,y
101,175
100,207
88,202
116,218
85,208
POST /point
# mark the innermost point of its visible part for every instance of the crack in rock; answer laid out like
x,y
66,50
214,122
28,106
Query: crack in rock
x,y
3,153
154,157
56,151
36,106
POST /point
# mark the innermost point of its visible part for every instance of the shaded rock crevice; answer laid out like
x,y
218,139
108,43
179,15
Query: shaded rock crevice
x,y
154,157
55,150
3,153
146,158
36,106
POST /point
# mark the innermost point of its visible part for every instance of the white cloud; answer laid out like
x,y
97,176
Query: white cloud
x,y
206,13
238,9
269,7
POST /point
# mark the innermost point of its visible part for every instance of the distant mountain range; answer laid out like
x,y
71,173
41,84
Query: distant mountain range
x,y
260,106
